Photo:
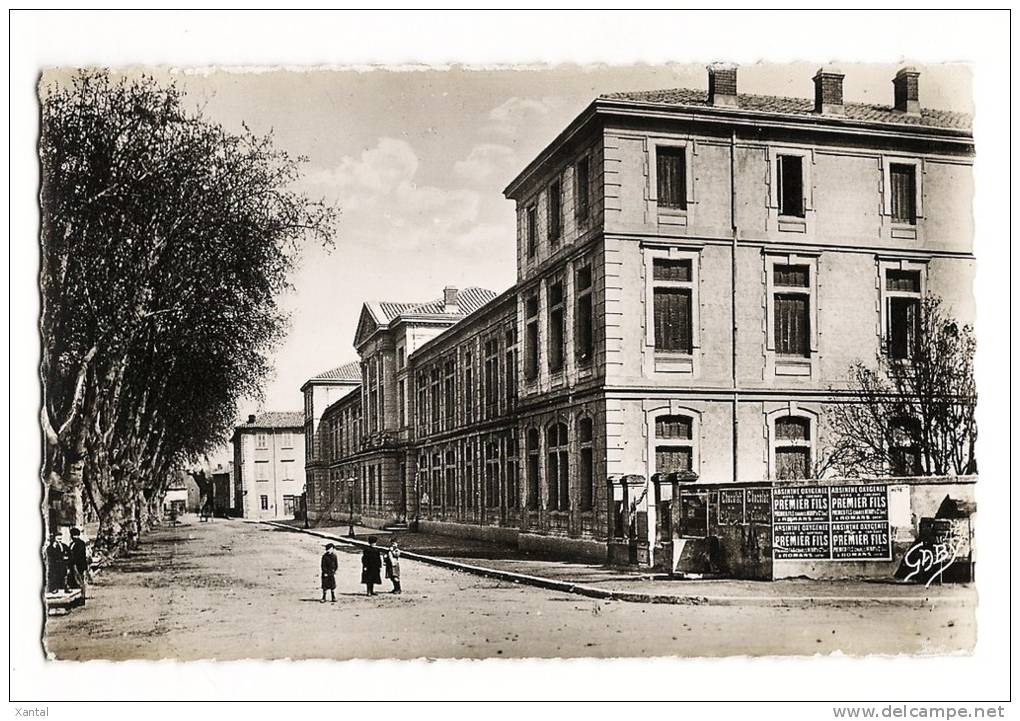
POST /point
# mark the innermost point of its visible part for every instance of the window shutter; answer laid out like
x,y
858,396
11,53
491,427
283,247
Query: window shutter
x,y
792,324
672,311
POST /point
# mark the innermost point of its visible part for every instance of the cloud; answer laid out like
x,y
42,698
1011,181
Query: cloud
x,y
486,161
384,207
510,116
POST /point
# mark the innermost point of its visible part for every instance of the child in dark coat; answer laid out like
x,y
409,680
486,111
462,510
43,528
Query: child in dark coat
x,y
329,566
371,564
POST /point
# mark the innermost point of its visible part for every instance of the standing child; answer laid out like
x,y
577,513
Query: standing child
x,y
370,566
329,566
393,565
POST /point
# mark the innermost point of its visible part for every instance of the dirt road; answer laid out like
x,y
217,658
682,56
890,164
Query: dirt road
x,y
231,590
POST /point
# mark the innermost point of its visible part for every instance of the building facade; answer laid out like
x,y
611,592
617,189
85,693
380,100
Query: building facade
x,y
269,465
696,274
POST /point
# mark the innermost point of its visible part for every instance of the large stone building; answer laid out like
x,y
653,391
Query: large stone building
x,y
695,274
269,465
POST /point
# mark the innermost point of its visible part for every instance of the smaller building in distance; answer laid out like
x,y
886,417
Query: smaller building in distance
x,y
269,465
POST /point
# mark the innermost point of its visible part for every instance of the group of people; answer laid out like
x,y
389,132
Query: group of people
x,y
372,562
67,566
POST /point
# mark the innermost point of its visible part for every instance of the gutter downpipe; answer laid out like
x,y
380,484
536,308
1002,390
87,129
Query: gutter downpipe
x,y
733,300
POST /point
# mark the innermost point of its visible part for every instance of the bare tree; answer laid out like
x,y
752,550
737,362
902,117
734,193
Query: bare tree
x,y
166,241
912,415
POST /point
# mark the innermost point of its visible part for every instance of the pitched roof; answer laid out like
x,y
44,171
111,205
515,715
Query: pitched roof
x,y
347,372
929,117
277,419
468,301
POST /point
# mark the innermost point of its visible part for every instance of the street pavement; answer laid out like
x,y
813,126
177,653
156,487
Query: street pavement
x,y
655,587
233,590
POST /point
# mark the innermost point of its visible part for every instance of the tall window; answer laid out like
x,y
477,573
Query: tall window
x,y
492,474
401,413
674,444
470,494
672,279
380,410
451,479
491,376
531,230
261,440
531,338
903,313
556,335
555,220
264,503
558,468
905,447
511,367
469,388
436,487
903,198
512,498
423,399
791,185
671,177
261,470
286,439
793,447
373,396
587,472
583,316
435,399
371,486
792,310
531,449
449,392
582,188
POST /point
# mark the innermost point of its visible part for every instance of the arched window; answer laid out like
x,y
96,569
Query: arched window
x,y
585,434
792,443
558,468
512,499
492,474
437,478
905,447
451,480
531,447
674,444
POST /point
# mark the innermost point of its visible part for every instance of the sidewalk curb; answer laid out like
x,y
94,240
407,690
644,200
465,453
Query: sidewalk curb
x,y
636,597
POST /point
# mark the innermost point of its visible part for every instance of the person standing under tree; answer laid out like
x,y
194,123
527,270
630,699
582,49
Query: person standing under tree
x,y
79,559
329,566
56,564
393,565
370,565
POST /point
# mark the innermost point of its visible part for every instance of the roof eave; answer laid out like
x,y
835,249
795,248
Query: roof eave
x,y
576,126
833,123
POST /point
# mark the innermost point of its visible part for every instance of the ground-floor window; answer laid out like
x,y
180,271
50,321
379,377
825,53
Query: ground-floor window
x,y
264,503
558,468
585,435
492,474
793,447
531,448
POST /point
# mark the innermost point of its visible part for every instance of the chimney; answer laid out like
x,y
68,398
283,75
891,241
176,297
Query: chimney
x,y
829,92
905,91
450,300
251,419
722,85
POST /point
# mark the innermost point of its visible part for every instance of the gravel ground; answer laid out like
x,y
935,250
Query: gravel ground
x,y
231,590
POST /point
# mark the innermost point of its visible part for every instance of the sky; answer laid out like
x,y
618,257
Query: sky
x,y
417,160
